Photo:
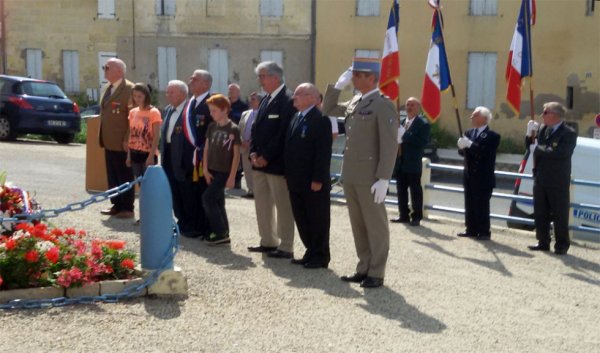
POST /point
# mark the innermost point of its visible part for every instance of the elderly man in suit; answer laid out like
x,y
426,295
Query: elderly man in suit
x,y
307,157
198,118
478,146
246,122
266,154
371,147
413,136
177,156
114,135
552,151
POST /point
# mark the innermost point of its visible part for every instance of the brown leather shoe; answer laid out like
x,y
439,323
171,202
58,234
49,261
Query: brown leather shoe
x,y
109,211
124,214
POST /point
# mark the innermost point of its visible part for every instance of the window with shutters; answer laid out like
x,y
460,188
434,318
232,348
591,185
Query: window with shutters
x,y
106,9
483,7
34,63
272,55
590,7
271,8
481,80
367,7
167,66
71,70
366,53
164,7
218,66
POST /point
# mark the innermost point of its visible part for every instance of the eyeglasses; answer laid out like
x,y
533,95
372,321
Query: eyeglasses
x,y
547,112
105,67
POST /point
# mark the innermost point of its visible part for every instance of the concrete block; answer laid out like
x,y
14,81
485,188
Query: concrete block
x,y
31,293
91,289
170,282
117,286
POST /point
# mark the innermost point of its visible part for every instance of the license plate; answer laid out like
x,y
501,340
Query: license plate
x,y
58,123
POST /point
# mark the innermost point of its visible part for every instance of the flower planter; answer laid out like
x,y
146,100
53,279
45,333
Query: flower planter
x,y
117,286
31,293
90,289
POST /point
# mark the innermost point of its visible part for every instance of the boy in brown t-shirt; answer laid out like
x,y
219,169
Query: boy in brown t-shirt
x,y
220,164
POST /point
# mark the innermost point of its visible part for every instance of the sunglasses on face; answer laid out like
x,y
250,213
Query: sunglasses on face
x,y
105,67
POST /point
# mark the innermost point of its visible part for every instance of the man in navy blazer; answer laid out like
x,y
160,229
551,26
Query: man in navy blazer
x,y
307,157
266,155
176,156
478,146
413,136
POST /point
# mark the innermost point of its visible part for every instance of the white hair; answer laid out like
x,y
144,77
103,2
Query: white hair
x,y
120,64
484,112
204,75
183,87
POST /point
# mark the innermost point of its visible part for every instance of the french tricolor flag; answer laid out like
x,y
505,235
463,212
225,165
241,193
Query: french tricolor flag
x,y
437,72
519,58
390,62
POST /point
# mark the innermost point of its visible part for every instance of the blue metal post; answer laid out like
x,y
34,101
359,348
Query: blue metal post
x,y
156,218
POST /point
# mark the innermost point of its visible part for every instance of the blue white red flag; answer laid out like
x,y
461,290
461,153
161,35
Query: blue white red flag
x,y
390,61
437,72
520,63
189,131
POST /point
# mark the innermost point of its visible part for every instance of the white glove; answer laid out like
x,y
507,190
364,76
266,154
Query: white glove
x,y
533,146
379,190
463,143
532,126
401,131
345,79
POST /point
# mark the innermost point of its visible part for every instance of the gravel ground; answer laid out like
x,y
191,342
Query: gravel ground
x,y
441,293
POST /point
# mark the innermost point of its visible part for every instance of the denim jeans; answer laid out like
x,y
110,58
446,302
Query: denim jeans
x,y
213,201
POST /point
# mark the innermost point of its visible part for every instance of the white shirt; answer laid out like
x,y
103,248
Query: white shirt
x,y
199,99
275,92
409,122
173,120
114,86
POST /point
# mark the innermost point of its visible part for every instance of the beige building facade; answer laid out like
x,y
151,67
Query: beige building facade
x,y
68,41
566,52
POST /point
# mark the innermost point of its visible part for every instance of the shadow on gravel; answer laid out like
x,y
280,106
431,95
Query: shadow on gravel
x,y
299,277
583,268
391,305
428,233
218,255
164,308
121,225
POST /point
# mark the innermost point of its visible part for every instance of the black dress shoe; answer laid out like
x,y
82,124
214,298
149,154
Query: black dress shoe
x,y
261,248
356,278
315,264
109,211
191,234
465,234
248,195
400,220
483,236
539,247
372,282
414,223
561,251
299,261
280,254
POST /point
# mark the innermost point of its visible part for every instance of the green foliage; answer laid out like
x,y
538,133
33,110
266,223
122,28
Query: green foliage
x,y
442,137
82,100
508,145
81,136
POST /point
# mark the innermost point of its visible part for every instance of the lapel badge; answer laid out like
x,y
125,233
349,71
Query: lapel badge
x,y
483,135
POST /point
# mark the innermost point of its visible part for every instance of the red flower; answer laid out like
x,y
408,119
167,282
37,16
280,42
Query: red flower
x,y
56,232
52,255
128,263
70,231
10,244
1,281
115,244
32,256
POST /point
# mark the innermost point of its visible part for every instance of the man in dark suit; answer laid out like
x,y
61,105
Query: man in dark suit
x,y
177,157
552,153
478,146
266,155
307,157
413,136
114,135
199,118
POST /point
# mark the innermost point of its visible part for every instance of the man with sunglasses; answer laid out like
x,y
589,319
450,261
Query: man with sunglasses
x,y
552,149
114,135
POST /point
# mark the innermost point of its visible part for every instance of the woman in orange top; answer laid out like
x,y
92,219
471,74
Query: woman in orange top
x,y
144,131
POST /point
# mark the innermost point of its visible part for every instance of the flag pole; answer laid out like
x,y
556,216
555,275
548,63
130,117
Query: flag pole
x,y
454,101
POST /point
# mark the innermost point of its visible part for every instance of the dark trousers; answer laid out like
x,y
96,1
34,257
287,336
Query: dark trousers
x,y
213,201
201,223
183,198
477,208
404,182
118,173
551,204
312,215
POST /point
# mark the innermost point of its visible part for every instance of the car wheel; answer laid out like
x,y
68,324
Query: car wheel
x,y
63,139
7,133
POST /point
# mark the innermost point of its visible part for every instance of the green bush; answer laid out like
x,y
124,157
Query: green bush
x,y
443,138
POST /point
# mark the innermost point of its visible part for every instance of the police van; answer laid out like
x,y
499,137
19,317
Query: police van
x,y
585,166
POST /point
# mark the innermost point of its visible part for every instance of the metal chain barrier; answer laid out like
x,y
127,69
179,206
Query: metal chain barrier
x,y
126,293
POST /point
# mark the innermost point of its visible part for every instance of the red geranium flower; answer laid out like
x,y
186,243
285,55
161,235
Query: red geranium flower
x,y
128,263
70,231
10,244
53,254
115,244
32,256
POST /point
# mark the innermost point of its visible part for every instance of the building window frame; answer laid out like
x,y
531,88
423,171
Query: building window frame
x,y
272,55
167,66
368,8
71,70
483,7
33,63
106,9
271,8
218,66
481,79
165,7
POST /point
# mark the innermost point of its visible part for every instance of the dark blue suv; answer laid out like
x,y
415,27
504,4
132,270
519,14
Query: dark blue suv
x,y
36,107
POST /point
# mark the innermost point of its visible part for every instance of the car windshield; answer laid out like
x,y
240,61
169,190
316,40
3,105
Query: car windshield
x,y
42,89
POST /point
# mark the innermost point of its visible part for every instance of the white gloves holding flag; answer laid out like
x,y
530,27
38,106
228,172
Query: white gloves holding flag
x,y
401,131
463,143
379,190
532,127
344,80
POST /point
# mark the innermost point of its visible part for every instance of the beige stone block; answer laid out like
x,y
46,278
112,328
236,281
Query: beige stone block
x,y
91,289
117,286
31,293
170,282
